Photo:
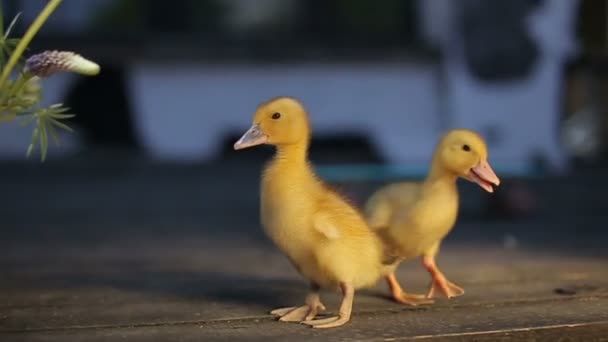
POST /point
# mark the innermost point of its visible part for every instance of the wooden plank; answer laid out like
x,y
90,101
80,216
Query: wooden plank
x,y
587,315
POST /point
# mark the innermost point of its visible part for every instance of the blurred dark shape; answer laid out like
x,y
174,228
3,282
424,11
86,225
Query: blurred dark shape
x,y
345,148
496,42
179,16
298,28
591,28
360,22
575,289
584,129
514,199
103,107
122,15
164,17
335,149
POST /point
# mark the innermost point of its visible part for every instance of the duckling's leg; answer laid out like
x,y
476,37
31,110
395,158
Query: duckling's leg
x,y
302,313
403,297
439,282
346,308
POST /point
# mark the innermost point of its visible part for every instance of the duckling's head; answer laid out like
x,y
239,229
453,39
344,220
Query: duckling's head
x,y
280,121
463,153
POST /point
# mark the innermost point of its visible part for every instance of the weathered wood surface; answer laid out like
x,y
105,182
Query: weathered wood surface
x,y
129,254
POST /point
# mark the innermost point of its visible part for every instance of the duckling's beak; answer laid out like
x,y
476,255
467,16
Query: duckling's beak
x,y
484,176
254,136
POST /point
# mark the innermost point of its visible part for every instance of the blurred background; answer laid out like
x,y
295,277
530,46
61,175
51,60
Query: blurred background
x,y
145,214
152,152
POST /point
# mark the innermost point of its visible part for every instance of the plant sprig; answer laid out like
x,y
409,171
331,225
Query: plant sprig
x,y
27,38
21,97
48,120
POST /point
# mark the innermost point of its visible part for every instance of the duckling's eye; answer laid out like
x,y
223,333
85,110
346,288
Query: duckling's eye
x,y
276,116
466,148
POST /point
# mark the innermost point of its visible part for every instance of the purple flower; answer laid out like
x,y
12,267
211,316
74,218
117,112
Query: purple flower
x,y
49,62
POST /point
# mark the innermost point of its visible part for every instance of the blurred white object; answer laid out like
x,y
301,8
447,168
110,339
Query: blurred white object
x,y
183,111
247,15
525,114
581,133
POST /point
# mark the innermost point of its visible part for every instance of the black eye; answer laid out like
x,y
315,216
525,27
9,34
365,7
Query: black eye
x,y
276,116
466,148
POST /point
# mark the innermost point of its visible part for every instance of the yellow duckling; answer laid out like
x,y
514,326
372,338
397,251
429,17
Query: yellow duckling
x,y
413,217
324,237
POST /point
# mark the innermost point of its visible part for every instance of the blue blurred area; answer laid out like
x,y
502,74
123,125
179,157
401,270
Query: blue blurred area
x,y
181,76
382,81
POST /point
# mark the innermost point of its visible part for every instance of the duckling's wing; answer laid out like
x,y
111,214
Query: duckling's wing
x,y
323,223
336,218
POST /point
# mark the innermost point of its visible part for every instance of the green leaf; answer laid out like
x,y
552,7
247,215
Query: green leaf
x,y
9,45
44,141
32,146
60,110
61,116
30,149
11,25
7,50
53,132
27,121
61,125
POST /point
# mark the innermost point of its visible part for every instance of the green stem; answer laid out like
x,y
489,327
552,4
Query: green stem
x,y
27,38
18,85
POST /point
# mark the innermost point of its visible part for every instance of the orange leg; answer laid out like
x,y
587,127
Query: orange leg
x,y
402,297
439,282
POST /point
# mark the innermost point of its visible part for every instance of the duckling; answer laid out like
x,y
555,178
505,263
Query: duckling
x,y
414,217
326,239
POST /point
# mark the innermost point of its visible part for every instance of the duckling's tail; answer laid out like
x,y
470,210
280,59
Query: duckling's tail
x,y
389,254
378,211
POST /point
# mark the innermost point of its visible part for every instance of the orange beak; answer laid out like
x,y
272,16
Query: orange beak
x,y
484,176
